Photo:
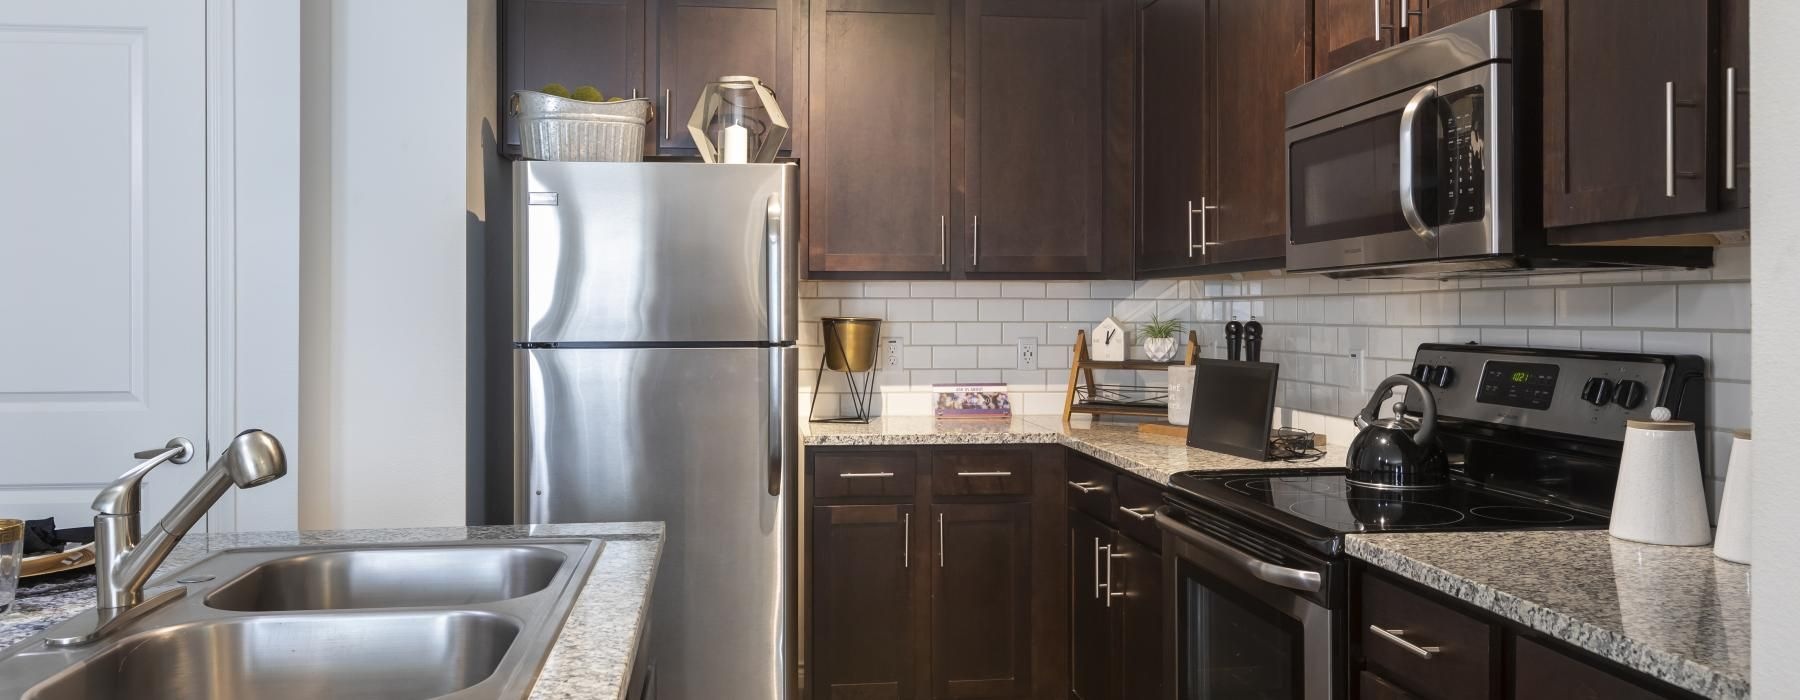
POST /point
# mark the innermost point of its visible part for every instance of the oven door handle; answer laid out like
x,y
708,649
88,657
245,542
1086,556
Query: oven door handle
x,y
1285,577
1409,171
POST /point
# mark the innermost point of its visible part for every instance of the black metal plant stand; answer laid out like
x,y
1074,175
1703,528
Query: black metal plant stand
x,y
862,385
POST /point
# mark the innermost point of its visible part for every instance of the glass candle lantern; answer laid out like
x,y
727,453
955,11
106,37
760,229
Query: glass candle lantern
x,y
737,121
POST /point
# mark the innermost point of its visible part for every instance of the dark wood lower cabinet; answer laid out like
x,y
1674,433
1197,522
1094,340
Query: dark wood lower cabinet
x,y
1138,615
981,601
864,601
949,585
1115,611
1090,623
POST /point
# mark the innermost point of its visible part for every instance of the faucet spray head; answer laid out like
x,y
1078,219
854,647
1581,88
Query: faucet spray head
x,y
254,458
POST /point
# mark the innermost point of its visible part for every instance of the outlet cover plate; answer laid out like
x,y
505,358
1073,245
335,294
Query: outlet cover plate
x,y
1028,353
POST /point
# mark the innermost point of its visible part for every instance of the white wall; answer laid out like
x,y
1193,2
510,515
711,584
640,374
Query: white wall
x,y
1775,577
383,274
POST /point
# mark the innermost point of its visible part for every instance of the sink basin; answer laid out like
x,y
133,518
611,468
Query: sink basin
x,y
392,655
461,620
388,578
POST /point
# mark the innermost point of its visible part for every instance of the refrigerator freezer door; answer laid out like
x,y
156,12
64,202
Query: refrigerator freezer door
x,y
701,439
655,252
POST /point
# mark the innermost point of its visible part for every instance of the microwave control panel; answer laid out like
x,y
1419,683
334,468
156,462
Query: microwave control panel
x,y
1463,139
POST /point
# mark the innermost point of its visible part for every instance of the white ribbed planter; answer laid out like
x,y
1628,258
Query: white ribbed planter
x,y
1160,349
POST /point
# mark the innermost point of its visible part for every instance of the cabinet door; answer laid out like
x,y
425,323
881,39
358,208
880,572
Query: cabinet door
x,y
1249,183
1734,76
1541,672
1091,637
1174,149
1138,616
1346,30
864,603
698,41
573,42
1032,137
981,595
879,130
1621,77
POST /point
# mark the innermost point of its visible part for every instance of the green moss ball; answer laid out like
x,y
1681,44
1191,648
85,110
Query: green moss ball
x,y
587,93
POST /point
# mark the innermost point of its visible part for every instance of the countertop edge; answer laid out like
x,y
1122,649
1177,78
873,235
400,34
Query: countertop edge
x,y
1674,669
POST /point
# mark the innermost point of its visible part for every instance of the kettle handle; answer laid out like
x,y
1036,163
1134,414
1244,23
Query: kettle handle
x,y
1427,426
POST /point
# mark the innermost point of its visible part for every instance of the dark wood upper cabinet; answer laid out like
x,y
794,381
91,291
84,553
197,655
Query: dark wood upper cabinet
x,y
1346,30
698,41
864,600
1173,42
1213,153
981,601
573,42
1734,76
1620,78
1258,54
1032,117
879,172
1431,15
1091,639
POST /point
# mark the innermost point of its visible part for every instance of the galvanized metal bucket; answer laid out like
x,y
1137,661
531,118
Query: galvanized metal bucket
x,y
558,128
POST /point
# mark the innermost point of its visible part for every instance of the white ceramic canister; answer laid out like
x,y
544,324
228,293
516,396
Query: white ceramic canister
x,y
1660,498
1181,393
1732,541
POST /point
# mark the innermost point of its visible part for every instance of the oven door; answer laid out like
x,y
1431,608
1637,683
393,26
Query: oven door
x,y
1413,177
1245,626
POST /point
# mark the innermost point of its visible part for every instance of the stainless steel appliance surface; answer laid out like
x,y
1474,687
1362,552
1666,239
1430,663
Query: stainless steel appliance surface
x,y
1416,161
1534,438
655,376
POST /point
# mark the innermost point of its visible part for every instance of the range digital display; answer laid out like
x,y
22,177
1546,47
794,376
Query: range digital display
x,y
1518,384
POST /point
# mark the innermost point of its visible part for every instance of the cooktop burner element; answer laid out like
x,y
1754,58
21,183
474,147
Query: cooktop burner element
x,y
1523,514
1373,515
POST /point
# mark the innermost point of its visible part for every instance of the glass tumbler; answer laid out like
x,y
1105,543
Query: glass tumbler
x,y
12,551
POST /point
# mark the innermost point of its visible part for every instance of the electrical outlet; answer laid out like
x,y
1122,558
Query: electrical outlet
x,y
1028,357
890,353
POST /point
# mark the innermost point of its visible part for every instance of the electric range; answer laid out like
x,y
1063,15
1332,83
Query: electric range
x,y
1255,558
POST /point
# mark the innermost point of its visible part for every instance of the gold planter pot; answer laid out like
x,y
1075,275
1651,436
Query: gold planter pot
x,y
851,345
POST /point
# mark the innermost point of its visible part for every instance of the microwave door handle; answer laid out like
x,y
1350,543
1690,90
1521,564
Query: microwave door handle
x,y
1409,175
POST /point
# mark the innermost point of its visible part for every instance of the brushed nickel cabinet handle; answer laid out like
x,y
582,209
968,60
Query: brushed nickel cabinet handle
x,y
940,540
906,540
1139,513
1395,636
1669,139
666,117
1085,487
1098,584
944,241
1190,226
975,244
1203,208
1730,128
1111,592
976,474
865,475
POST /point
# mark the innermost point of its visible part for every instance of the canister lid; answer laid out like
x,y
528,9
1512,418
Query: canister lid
x,y
1741,434
1660,425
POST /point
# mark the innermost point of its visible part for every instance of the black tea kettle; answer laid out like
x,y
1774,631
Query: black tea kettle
x,y
1396,452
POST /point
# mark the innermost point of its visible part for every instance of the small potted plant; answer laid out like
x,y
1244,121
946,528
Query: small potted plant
x,y
1159,338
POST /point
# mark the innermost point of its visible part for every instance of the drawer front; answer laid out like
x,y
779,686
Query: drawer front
x,y
1091,486
864,474
1137,500
1435,651
1373,687
1004,471
1542,672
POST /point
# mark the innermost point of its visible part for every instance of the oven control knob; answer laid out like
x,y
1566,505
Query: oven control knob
x,y
1442,376
1422,373
1597,391
1629,394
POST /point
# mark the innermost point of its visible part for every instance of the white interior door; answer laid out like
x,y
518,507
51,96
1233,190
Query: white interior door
x,y
102,248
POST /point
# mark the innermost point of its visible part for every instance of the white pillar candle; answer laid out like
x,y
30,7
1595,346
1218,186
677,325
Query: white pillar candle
x,y
736,148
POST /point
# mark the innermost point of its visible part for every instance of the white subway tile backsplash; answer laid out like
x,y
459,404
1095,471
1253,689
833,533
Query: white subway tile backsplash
x,y
1064,333
1483,308
1412,338
838,289
1111,289
1613,341
1090,311
1134,310
1010,333
1729,406
1045,310
908,310
1504,336
954,357
1731,263
999,357
1716,306
1404,310
1385,342
916,357
1000,310
934,333
1730,356
1022,290
814,309
1583,306
1679,343
1644,306
1439,309
886,289
1459,335
1325,340
954,309
872,308
1553,338
1368,310
977,334
1066,290
977,290
934,289
1530,307
1312,310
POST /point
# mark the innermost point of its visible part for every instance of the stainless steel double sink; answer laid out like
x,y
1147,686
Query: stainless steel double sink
x,y
460,620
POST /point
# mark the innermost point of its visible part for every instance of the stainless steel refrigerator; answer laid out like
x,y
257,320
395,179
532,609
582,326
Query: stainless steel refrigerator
x,y
654,323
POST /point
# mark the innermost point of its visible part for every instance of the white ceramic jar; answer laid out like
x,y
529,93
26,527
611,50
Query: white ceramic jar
x,y
1660,498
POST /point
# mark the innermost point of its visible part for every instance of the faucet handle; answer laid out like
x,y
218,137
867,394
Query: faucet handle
x,y
121,496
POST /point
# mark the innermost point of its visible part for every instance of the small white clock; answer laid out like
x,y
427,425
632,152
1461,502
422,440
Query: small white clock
x,y
1106,342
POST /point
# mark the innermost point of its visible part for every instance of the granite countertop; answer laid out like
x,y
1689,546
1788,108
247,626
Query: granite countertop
x,y
1675,613
593,655
1152,456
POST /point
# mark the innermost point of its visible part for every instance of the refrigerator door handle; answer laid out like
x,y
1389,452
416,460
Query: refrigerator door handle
x,y
780,274
784,417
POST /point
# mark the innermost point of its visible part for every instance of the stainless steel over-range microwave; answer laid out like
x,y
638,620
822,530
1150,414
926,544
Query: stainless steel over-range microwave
x,y
1420,161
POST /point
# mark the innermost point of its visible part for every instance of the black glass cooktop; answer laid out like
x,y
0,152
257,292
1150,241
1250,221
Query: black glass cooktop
x,y
1319,506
